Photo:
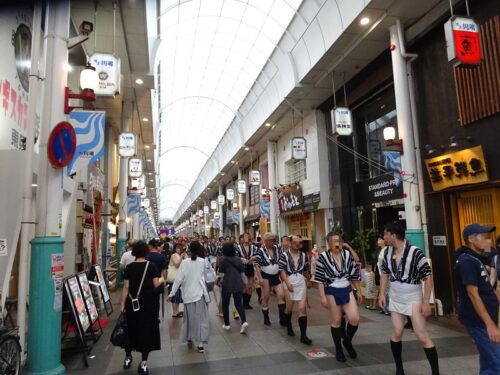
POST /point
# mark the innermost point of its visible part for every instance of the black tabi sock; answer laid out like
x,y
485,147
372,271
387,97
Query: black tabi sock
x,y
303,326
432,357
337,340
281,310
342,326
397,349
350,331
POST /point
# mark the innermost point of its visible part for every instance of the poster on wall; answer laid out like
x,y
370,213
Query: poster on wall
x,y
75,299
87,296
16,40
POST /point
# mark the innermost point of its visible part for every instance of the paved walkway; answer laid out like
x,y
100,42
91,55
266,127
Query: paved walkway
x,y
268,350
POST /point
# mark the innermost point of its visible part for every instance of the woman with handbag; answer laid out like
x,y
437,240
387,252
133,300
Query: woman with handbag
x,y
138,304
232,284
173,268
191,278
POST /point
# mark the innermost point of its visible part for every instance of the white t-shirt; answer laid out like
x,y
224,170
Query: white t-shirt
x,y
127,258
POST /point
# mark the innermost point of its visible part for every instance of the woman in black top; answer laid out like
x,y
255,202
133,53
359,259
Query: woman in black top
x,y
232,284
142,316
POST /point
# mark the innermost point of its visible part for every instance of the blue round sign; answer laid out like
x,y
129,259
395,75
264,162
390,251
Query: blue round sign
x,y
62,145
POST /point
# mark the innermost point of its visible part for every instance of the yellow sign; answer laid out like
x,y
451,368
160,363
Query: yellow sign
x,y
458,168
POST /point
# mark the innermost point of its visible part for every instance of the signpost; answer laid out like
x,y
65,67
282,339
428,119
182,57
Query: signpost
x,y
463,43
61,145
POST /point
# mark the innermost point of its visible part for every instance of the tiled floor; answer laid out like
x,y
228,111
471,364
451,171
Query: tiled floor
x,y
268,350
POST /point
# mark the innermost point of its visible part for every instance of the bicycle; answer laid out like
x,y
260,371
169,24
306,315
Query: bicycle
x,y
10,351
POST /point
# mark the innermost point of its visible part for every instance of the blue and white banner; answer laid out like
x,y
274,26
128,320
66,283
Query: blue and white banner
x,y
89,128
392,163
133,204
265,207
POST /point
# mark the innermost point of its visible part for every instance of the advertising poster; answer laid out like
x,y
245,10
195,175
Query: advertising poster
x,y
87,296
76,297
102,283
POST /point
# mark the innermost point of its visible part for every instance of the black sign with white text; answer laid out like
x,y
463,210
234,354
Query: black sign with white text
x,y
379,189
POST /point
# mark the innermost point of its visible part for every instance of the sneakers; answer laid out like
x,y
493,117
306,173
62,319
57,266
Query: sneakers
x,y
127,363
227,328
244,328
200,348
143,368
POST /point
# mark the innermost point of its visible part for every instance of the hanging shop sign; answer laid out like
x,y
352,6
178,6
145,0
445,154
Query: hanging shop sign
x,y
299,148
290,198
108,70
216,215
254,178
145,203
213,205
458,168
206,210
463,43
135,167
265,206
242,186
341,121
126,144
221,199
235,215
379,189
141,182
229,194
200,213
89,128
311,202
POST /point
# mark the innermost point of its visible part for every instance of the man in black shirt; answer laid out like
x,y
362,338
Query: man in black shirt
x,y
477,302
160,262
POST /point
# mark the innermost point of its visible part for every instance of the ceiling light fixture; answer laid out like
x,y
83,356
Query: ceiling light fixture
x,y
148,160
364,21
268,124
139,81
145,119
147,147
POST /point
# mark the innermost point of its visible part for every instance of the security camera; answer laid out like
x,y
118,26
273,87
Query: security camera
x,y
85,29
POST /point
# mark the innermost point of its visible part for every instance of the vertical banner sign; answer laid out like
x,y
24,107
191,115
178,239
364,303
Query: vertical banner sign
x,y
341,121
254,178
236,215
213,205
206,210
230,194
463,44
242,186
221,199
89,130
126,144
16,40
299,148
135,167
265,206
134,204
108,68
200,213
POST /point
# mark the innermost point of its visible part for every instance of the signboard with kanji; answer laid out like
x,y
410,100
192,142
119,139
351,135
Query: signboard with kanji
x,y
463,43
108,70
341,121
299,148
458,168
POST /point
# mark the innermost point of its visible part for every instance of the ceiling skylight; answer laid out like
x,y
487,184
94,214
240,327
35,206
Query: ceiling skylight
x,y
212,52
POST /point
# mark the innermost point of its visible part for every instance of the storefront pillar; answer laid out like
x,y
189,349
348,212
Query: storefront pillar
x,y
123,206
44,327
271,163
409,176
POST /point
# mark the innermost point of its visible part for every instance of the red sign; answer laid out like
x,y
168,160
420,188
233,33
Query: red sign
x,y
62,145
464,43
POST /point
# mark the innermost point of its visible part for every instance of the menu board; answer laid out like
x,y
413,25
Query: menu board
x,y
102,283
76,300
87,295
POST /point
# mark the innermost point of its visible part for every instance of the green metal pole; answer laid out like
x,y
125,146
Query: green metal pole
x,y
121,243
44,333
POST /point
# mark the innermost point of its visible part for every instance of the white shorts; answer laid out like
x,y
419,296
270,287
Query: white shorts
x,y
299,287
403,296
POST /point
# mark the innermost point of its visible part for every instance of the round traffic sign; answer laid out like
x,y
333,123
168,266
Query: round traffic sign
x,y
62,144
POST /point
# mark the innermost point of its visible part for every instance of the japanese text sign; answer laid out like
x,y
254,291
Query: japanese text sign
x,y
463,41
254,178
299,148
342,121
108,70
459,168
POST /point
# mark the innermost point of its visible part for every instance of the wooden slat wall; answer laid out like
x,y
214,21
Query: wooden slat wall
x,y
478,88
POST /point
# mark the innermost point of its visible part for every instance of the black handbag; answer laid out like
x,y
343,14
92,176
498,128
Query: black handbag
x,y
119,336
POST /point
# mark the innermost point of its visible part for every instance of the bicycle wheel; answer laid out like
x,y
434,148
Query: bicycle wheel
x,y
10,355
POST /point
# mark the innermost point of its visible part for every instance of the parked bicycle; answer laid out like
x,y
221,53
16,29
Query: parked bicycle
x,y
10,351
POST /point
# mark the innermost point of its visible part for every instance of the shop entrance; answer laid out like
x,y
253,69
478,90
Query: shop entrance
x,y
478,206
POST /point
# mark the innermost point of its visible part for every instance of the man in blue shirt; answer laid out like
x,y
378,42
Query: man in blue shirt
x,y
160,262
477,301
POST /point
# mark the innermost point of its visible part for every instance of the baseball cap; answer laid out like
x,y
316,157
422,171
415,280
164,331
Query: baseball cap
x,y
476,229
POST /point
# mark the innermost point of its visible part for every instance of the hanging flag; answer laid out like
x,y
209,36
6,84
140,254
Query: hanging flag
x,y
89,130
133,204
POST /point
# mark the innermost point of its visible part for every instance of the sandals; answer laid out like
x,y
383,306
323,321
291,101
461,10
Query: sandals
x,y
180,314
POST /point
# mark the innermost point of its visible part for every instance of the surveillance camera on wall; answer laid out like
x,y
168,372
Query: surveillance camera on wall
x,y
85,29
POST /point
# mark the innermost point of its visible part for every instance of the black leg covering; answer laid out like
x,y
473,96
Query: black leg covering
x,y
350,332
281,310
397,349
259,294
267,322
432,357
303,331
288,322
337,340
342,326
